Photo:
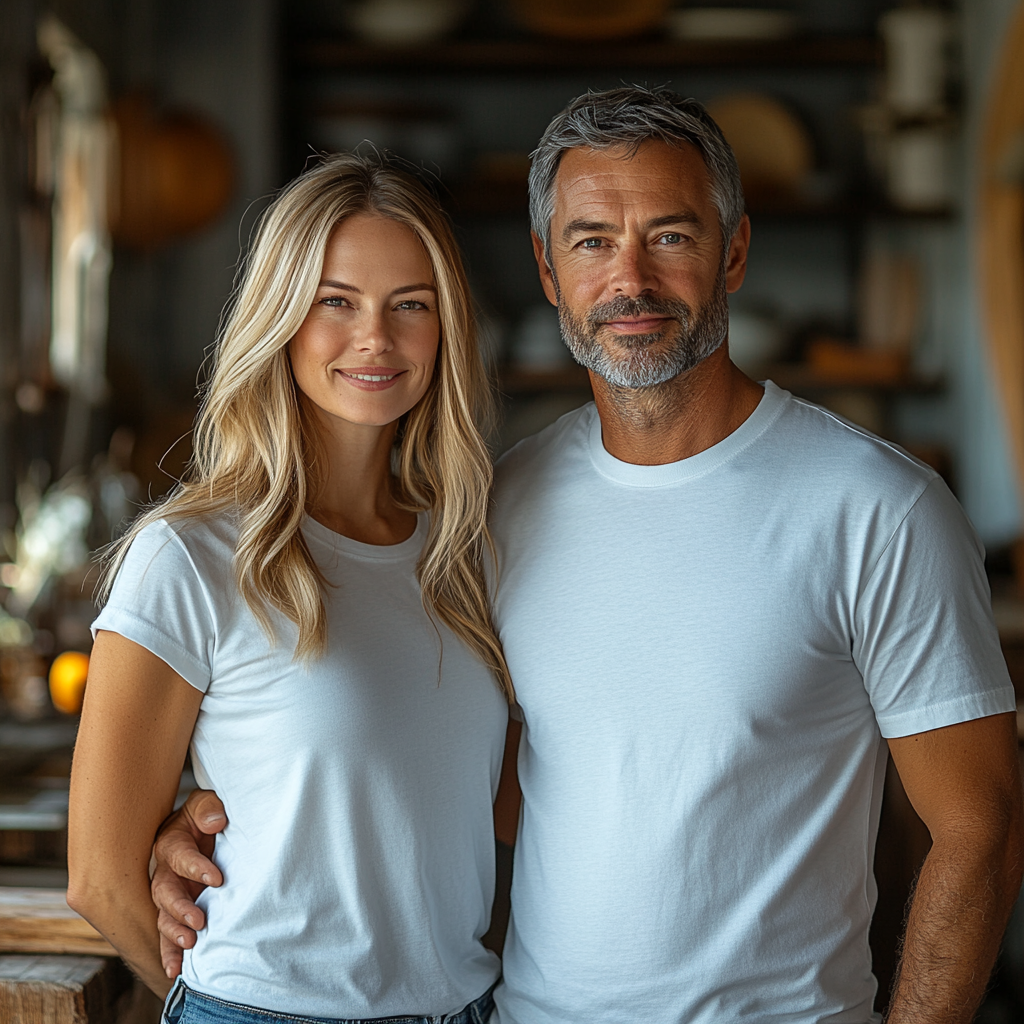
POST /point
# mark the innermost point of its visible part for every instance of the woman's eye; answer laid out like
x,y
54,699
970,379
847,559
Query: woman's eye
x,y
411,304
333,301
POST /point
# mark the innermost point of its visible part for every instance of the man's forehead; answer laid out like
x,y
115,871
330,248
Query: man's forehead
x,y
655,172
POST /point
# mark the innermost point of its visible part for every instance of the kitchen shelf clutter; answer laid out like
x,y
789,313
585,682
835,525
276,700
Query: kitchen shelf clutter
x,y
529,56
808,109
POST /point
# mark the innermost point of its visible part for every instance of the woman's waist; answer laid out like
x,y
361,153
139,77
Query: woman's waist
x,y
353,976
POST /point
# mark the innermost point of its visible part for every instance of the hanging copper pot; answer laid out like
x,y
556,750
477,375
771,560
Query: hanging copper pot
x,y
176,174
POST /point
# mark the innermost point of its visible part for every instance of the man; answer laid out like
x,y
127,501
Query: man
x,y
716,600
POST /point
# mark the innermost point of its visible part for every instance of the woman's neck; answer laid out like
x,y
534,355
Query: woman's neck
x,y
356,497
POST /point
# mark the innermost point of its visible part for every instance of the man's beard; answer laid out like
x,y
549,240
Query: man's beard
x,y
687,338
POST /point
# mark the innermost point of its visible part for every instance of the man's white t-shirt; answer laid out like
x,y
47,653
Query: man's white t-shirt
x,y
359,856
707,655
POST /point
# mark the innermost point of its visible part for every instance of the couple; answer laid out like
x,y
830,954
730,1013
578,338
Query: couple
x,y
713,599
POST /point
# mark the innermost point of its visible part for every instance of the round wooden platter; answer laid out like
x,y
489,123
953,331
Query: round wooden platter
x,y
774,150
1001,233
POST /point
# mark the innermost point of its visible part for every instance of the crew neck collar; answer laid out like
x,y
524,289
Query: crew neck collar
x,y
409,548
768,408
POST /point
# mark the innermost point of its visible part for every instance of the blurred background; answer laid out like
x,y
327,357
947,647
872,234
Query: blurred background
x,y
882,151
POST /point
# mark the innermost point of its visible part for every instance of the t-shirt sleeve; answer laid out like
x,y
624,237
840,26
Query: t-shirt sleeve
x,y
925,640
160,602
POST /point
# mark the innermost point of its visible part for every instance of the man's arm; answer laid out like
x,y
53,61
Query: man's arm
x,y
964,782
182,869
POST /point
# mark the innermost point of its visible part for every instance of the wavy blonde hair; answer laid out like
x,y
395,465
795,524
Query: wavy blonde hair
x,y
257,452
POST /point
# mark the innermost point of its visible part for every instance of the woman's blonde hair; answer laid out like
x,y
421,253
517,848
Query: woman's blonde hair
x,y
257,452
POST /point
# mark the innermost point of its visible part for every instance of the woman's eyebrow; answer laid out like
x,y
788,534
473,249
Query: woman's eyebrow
x,y
341,286
415,288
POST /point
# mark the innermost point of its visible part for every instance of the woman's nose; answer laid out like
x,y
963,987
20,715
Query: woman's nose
x,y
375,336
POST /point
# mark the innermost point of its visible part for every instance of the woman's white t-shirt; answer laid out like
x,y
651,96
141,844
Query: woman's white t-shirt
x,y
359,856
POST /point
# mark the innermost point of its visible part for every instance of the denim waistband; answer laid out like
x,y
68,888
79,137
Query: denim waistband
x,y
186,1006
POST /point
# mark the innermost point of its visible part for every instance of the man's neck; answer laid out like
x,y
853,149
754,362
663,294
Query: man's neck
x,y
677,419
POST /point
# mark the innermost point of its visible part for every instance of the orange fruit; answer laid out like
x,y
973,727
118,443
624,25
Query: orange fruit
x,y
67,681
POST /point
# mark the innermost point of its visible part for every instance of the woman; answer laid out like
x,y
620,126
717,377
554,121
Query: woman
x,y
309,611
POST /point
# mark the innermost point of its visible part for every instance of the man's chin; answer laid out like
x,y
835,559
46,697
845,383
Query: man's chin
x,y
631,374
609,339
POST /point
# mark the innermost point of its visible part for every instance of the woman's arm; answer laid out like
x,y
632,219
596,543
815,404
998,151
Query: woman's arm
x,y
136,725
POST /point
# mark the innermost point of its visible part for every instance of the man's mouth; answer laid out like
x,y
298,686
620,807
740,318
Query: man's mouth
x,y
638,325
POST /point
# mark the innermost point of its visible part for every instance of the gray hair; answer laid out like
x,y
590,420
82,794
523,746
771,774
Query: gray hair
x,y
628,117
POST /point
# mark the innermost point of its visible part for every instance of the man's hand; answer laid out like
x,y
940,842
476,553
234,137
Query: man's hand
x,y
183,869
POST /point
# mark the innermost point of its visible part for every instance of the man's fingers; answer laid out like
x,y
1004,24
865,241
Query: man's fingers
x,y
175,932
170,953
203,806
176,896
177,851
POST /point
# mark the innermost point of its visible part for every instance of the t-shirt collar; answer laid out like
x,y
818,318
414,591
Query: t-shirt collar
x,y
772,403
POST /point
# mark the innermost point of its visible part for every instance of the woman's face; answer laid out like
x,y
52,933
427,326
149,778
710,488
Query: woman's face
x,y
365,353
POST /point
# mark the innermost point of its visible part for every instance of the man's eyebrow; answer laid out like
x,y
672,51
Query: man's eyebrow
x,y
683,217
576,227
341,286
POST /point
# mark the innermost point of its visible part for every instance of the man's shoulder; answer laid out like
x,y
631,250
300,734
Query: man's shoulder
x,y
557,442
820,445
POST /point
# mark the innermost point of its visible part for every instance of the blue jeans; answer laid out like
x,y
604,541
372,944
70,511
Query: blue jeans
x,y
187,1007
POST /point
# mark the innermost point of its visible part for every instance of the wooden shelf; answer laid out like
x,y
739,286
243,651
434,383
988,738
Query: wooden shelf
x,y
802,379
569,379
501,56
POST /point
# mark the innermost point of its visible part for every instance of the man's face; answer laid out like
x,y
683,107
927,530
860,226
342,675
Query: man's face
x,y
638,270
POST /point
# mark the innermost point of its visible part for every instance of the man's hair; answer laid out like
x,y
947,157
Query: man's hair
x,y
629,117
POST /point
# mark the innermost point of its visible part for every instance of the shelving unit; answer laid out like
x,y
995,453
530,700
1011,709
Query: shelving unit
x,y
531,56
464,75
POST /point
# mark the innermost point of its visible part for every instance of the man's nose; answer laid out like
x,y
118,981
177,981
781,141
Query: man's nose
x,y
633,271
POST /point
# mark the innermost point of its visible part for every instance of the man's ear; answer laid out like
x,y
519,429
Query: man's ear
x,y
547,278
736,266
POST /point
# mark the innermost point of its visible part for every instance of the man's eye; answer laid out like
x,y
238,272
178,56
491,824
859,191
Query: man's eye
x,y
591,243
671,238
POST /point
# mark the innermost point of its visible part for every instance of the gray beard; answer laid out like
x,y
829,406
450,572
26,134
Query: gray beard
x,y
650,359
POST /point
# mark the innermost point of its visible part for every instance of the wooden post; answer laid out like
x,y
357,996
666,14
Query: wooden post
x,y
61,989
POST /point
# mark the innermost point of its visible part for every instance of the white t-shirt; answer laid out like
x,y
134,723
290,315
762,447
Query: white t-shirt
x,y
707,655
359,855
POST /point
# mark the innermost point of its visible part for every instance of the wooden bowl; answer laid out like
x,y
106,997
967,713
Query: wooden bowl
x,y
176,174
588,20
774,150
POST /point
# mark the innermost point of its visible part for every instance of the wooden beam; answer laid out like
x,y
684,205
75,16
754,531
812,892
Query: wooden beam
x,y
40,921
1001,238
